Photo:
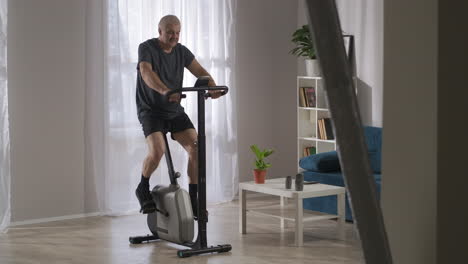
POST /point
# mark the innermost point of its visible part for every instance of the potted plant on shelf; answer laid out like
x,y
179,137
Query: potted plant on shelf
x,y
305,48
260,164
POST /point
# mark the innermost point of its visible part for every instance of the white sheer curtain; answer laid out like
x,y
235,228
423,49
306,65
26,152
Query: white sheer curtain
x,y
5,211
208,31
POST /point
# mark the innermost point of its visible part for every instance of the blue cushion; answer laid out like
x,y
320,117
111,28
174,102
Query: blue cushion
x,y
373,137
375,159
322,162
327,204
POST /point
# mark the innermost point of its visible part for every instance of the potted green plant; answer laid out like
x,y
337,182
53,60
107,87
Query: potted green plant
x,y
260,164
305,48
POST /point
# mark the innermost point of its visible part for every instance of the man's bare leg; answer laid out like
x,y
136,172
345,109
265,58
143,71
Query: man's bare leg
x,y
188,140
156,149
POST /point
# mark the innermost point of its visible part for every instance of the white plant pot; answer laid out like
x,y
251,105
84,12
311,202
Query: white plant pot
x,y
313,68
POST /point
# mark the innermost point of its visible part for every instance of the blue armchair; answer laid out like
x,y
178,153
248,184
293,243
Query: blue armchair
x,y
325,168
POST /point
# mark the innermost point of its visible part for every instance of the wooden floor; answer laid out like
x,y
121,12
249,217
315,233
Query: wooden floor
x,y
105,240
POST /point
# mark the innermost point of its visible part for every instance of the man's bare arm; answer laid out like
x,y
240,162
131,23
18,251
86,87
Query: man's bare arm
x,y
196,69
153,81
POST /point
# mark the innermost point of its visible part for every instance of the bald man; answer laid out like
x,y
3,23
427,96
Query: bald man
x,y
160,69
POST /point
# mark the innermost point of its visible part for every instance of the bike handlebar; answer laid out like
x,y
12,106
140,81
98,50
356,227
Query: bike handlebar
x,y
223,89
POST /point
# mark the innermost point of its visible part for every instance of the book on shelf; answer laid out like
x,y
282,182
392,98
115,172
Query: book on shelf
x,y
328,129
302,98
310,96
325,130
319,129
307,97
312,150
309,151
321,134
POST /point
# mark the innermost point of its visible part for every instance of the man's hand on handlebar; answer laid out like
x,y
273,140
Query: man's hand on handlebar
x,y
213,93
201,86
173,98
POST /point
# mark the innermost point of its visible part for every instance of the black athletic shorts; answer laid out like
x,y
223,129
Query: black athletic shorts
x,y
177,124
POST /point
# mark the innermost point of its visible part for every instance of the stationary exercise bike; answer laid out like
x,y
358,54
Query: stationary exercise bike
x,y
173,219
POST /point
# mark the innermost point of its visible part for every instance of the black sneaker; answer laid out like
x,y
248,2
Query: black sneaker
x,y
146,200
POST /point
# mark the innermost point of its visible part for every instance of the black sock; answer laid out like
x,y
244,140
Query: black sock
x,y
193,189
144,181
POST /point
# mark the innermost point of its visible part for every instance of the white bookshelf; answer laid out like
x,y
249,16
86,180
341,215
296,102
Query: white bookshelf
x,y
307,118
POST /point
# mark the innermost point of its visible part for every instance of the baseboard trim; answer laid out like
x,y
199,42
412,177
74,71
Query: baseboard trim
x,y
52,219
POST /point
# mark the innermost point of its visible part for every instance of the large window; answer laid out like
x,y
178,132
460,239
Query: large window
x,y
207,29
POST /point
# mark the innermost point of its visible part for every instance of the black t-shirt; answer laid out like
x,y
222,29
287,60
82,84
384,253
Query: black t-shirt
x,y
170,69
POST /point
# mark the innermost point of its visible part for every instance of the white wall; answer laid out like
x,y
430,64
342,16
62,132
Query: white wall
x,y
46,98
283,73
409,179
266,80
364,20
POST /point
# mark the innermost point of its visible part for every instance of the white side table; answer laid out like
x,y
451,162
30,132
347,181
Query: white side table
x,y
296,213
